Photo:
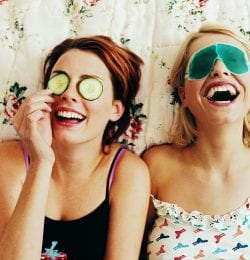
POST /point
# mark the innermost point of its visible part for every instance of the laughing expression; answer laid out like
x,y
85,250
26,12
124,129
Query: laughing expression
x,y
221,97
75,119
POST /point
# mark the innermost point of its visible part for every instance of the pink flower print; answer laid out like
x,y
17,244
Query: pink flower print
x,y
12,105
134,129
2,1
203,3
90,3
135,126
200,3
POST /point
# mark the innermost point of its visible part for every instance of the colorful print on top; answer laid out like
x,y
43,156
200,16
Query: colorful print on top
x,y
179,235
52,253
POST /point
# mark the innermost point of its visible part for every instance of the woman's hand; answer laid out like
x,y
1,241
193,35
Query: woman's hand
x,y
33,125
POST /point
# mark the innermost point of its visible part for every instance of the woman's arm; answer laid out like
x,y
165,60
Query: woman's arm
x,y
22,228
129,198
21,225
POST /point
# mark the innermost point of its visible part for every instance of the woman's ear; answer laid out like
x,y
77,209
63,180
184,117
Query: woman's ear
x,y
181,93
117,110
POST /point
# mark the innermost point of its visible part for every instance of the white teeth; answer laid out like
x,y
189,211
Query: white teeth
x,y
69,114
229,88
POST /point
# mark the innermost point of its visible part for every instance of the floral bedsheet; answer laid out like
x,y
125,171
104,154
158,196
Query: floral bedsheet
x,y
154,29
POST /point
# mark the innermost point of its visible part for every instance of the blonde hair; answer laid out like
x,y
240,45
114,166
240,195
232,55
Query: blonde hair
x,y
186,131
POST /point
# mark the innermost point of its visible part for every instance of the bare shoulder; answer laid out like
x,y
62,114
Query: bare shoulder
x,y
9,147
159,156
12,175
12,163
133,165
131,173
163,162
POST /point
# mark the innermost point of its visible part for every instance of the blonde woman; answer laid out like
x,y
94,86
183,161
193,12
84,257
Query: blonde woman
x,y
200,184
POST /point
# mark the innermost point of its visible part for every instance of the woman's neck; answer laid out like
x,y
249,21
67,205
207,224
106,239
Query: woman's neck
x,y
76,159
221,146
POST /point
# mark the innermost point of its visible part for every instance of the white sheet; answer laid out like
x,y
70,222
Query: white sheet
x,y
154,29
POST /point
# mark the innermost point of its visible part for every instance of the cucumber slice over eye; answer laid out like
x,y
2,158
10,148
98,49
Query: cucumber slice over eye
x,y
58,83
91,88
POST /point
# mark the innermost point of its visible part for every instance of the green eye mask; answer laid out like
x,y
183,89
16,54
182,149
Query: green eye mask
x,y
90,88
202,62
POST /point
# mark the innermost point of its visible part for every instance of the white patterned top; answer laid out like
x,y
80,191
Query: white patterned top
x,y
177,234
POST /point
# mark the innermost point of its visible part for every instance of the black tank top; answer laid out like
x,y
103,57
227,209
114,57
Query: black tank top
x,y
83,238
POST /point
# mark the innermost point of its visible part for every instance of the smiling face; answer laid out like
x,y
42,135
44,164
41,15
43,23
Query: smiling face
x,y
220,96
75,119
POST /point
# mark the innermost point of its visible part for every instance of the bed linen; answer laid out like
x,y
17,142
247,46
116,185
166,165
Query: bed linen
x,y
154,29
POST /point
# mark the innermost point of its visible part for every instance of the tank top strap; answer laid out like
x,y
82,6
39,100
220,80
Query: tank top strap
x,y
111,174
26,156
112,169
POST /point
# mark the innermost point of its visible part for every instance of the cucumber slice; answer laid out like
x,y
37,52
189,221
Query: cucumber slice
x,y
58,83
91,88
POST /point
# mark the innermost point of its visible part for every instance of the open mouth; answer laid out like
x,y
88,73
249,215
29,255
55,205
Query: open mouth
x,y
69,115
223,94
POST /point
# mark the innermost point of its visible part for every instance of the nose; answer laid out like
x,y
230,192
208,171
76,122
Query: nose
x,y
219,70
71,94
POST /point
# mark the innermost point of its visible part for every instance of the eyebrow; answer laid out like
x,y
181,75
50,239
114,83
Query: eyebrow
x,y
84,76
58,72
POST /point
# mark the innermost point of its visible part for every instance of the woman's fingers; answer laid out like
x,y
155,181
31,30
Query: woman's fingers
x,y
39,101
33,125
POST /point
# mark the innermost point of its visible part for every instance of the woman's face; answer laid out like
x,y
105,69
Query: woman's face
x,y
216,96
75,119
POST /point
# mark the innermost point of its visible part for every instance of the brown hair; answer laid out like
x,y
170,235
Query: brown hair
x,y
123,65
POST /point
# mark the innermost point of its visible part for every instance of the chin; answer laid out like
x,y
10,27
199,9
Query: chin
x,y
227,121
63,138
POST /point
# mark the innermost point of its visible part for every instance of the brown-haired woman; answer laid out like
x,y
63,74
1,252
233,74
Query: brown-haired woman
x,y
71,183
